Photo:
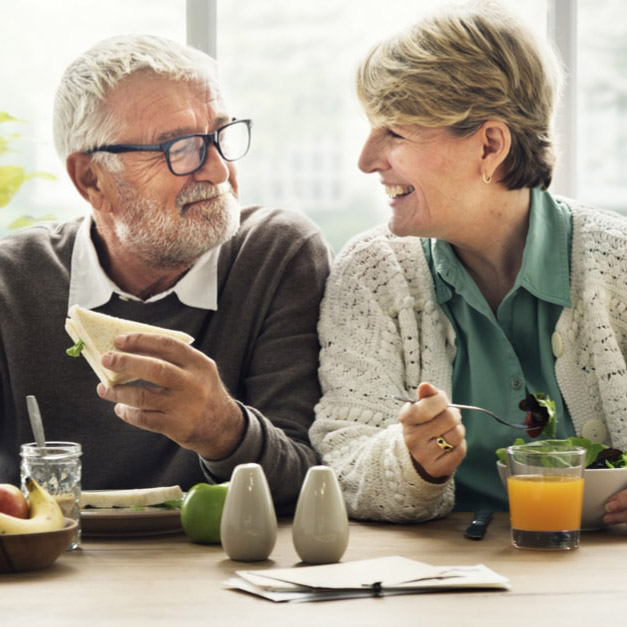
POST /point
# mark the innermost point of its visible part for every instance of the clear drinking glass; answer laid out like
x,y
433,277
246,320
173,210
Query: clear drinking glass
x,y
545,489
57,468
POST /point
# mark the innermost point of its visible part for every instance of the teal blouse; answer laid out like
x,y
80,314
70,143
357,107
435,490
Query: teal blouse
x,y
501,358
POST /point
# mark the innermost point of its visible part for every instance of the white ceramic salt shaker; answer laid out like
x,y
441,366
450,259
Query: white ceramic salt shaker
x,y
248,527
320,527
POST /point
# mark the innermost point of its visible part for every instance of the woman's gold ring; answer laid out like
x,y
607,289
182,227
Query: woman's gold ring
x,y
443,444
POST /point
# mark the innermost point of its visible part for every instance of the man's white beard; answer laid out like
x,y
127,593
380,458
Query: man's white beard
x,y
145,228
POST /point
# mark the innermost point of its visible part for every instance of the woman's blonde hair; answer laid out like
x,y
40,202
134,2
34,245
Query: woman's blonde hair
x,y
464,66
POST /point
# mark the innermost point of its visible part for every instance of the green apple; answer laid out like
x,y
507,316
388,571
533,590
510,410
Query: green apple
x,y
201,512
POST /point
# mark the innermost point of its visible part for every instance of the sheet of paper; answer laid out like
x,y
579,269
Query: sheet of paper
x,y
381,576
387,571
300,595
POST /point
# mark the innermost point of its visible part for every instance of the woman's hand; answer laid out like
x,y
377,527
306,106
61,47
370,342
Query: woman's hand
x,y
429,425
616,509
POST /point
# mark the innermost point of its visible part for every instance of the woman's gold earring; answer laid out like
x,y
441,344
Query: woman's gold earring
x,y
486,178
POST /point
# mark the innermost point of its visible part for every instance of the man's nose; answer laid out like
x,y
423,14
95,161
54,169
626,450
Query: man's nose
x,y
214,169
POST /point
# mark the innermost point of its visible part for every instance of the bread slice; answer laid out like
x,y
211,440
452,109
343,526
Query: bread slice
x,y
140,497
97,332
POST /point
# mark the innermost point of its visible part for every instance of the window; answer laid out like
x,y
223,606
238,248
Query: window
x,y
37,41
290,66
602,104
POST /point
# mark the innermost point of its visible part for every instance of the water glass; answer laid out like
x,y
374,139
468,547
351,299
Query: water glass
x,y
57,468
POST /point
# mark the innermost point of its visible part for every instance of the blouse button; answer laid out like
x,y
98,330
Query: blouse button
x,y
557,344
594,430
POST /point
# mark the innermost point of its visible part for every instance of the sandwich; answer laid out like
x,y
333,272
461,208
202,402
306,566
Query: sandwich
x,y
167,497
93,334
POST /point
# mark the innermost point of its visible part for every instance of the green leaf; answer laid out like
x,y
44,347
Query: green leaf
x,y
23,221
6,141
6,117
592,451
550,429
11,179
592,448
500,452
75,351
11,176
40,174
172,504
620,463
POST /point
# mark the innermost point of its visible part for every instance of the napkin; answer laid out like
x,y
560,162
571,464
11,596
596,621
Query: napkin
x,y
374,577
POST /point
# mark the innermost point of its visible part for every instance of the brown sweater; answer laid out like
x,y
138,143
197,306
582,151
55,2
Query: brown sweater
x,y
263,338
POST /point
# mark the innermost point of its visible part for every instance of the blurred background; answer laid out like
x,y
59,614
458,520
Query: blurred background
x,y
289,65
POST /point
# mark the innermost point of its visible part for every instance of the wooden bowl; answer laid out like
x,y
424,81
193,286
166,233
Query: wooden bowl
x,y
31,551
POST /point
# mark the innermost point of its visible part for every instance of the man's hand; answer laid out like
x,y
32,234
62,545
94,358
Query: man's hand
x,y
616,509
190,404
424,422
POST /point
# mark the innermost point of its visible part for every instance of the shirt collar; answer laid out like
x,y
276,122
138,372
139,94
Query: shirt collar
x,y
90,287
547,246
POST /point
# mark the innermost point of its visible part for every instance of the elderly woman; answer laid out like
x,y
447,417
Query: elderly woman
x,y
482,284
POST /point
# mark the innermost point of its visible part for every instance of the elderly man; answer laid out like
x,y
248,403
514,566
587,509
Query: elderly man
x,y
148,141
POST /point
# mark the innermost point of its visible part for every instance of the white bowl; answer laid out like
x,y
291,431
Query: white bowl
x,y
599,484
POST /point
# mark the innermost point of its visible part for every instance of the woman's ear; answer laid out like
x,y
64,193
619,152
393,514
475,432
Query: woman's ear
x,y
87,177
496,141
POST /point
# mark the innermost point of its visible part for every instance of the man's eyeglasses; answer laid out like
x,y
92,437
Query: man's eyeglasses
x,y
187,154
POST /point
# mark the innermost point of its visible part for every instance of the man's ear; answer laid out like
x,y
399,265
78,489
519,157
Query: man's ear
x,y
496,140
87,177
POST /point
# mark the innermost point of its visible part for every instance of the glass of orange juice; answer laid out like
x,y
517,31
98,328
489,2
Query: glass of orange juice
x,y
545,490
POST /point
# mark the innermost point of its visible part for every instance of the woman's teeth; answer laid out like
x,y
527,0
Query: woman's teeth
x,y
394,191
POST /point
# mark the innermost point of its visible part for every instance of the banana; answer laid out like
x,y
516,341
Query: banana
x,y
45,513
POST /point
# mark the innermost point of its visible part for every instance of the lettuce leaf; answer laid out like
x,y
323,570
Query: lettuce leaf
x,y
75,351
593,449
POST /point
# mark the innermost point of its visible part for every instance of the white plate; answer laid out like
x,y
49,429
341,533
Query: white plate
x,y
129,522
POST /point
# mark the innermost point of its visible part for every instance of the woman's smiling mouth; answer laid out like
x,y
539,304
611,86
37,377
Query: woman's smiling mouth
x,y
397,191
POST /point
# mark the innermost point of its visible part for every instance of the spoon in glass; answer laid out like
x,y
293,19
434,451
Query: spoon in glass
x,y
401,399
36,423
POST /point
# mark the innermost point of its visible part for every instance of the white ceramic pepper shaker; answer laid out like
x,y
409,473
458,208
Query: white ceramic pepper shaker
x,y
248,527
320,527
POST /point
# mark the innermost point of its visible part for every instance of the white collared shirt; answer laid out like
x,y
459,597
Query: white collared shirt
x,y
90,287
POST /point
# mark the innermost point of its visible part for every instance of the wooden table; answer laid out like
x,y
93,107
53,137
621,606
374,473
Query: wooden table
x,y
169,580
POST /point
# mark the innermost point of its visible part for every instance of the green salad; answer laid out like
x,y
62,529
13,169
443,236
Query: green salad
x,y
597,455
542,420
540,416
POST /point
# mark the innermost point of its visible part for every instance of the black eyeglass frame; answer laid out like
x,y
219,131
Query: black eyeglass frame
x,y
208,139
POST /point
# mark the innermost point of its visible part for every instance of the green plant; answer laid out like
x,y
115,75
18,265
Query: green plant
x,y
12,177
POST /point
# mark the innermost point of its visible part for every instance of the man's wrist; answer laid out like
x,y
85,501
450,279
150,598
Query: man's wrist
x,y
232,436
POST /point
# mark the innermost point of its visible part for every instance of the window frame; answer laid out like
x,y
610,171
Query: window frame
x,y
562,31
202,28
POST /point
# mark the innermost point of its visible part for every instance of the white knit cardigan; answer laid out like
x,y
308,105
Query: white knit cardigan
x,y
382,333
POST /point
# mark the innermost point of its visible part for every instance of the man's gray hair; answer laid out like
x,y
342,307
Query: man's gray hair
x,y
81,118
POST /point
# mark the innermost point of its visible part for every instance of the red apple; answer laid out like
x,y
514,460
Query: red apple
x,y
12,501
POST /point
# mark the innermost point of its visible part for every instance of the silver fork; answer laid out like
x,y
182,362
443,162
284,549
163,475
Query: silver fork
x,y
402,399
